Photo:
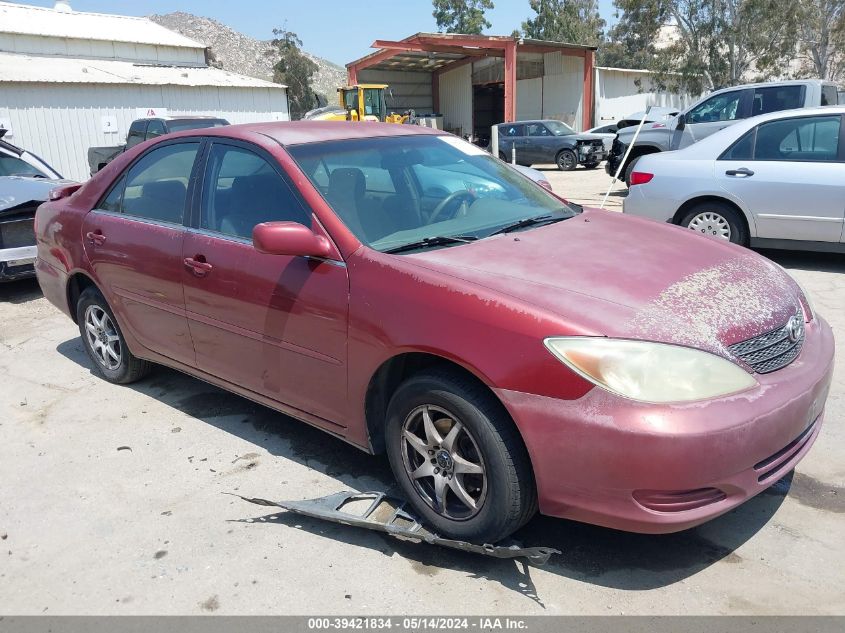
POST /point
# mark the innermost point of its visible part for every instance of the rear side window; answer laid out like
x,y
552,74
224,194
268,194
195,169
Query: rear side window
x,y
241,190
743,149
512,130
830,96
776,98
800,139
156,187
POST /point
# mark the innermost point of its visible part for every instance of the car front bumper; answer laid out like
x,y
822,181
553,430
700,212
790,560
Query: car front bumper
x,y
17,263
648,468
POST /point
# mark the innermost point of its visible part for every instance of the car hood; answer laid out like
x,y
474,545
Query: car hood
x,y
586,136
611,275
17,191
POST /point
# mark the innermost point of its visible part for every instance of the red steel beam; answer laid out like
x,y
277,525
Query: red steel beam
x,y
587,106
510,81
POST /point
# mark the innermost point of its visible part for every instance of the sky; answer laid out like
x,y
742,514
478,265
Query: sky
x,y
338,30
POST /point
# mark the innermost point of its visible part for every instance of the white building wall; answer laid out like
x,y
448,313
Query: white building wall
x,y
529,99
101,49
618,94
408,90
563,85
60,122
456,99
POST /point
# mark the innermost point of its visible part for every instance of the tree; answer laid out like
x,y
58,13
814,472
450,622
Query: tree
x,y
709,44
461,16
573,21
821,36
294,70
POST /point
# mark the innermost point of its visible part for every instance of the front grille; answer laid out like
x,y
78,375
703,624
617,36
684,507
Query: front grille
x,y
17,233
773,350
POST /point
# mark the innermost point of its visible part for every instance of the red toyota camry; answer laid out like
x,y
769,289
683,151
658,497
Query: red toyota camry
x,y
405,291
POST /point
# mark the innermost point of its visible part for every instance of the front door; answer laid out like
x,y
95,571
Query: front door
x,y
274,324
792,183
133,240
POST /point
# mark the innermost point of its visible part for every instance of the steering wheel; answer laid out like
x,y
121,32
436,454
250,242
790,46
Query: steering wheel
x,y
448,200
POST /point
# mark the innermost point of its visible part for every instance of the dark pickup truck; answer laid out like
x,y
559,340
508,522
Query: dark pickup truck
x,y
145,129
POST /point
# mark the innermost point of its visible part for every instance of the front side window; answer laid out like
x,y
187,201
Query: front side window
x,y
373,105
137,133
157,185
241,190
155,128
441,187
721,107
799,139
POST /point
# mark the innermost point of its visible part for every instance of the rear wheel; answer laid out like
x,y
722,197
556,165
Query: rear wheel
x,y
104,341
630,170
566,160
458,458
716,219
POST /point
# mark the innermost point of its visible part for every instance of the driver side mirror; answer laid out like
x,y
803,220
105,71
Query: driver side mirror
x,y
289,238
681,121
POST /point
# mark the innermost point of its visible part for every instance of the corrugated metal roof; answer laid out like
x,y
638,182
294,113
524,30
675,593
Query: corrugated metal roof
x,y
28,20
34,69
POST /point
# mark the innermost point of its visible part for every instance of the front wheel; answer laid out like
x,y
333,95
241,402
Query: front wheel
x,y
458,458
716,219
104,341
566,160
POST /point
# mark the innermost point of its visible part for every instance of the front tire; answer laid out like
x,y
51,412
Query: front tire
x,y
717,219
566,160
104,341
458,458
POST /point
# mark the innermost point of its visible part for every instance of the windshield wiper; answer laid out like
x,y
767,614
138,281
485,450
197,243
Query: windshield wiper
x,y
519,224
437,240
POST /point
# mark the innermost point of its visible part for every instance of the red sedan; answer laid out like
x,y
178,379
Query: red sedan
x,y
404,291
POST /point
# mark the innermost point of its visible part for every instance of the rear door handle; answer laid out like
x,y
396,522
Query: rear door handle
x,y
96,237
742,171
199,268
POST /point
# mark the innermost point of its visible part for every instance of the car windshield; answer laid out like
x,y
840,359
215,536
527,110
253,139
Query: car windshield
x,y
393,192
12,166
559,129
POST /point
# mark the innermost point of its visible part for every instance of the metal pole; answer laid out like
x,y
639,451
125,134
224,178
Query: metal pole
x,y
625,157
513,153
494,141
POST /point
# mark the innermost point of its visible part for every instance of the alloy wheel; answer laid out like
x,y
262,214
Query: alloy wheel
x,y
443,462
103,338
710,223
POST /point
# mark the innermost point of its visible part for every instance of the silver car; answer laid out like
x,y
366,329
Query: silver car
x,y
772,181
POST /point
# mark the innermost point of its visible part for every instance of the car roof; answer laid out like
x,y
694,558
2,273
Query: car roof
x,y
302,132
774,84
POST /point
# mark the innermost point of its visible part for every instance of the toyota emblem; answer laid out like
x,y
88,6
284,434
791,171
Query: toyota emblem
x,y
795,328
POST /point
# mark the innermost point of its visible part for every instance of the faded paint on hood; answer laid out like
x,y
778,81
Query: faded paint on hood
x,y
628,277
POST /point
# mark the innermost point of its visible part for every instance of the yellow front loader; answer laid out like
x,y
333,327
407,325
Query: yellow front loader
x,y
364,102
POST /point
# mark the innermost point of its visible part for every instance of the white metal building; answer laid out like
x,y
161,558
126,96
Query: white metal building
x,y
622,91
71,80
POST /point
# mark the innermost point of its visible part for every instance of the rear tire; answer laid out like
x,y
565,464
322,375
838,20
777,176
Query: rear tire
x,y
566,160
485,461
717,219
630,170
104,341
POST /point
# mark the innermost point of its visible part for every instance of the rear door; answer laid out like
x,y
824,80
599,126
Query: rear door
x,y
273,324
133,240
512,137
789,174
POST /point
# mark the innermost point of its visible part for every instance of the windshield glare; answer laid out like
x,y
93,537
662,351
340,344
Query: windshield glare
x,y
392,191
559,129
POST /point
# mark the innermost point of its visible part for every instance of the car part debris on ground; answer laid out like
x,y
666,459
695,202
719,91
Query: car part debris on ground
x,y
382,513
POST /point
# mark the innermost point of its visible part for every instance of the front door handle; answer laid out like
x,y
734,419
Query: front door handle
x,y
96,238
198,266
742,171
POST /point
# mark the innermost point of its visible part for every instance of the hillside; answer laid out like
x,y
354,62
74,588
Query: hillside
x,y
242,54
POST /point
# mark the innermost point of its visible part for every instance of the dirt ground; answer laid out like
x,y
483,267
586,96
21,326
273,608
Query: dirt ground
x,y
112,502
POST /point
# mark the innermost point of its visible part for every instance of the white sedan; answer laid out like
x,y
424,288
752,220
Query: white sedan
x,y
771,181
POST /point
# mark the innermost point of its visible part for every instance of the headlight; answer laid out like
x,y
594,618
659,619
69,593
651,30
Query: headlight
x,y
650,372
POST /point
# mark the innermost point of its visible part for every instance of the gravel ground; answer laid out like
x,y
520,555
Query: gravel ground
x,y
112,503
